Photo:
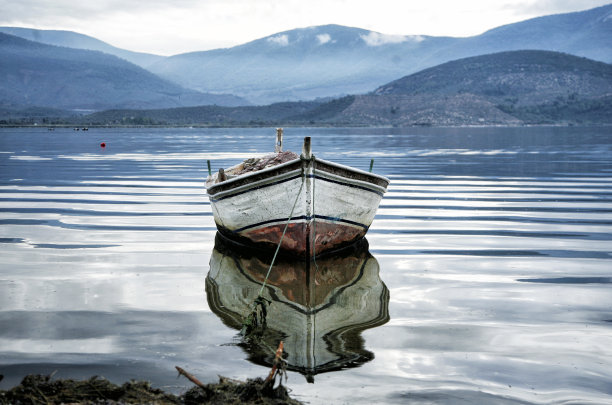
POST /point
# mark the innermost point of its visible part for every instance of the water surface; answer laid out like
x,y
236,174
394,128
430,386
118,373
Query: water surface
x,y
492,247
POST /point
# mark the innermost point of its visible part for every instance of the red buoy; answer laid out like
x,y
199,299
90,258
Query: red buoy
x,y
103,145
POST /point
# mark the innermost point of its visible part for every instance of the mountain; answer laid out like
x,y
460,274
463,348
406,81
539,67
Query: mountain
x,y
585,33
36,74
316,63
506,88
304,63
515,87
530,77
75,40
332,60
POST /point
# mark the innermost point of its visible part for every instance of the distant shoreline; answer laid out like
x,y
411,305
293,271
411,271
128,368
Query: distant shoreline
x,y
80,127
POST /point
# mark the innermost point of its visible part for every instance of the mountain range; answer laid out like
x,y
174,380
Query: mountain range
x,y
75,40
333,60
506,88
41,75
42,70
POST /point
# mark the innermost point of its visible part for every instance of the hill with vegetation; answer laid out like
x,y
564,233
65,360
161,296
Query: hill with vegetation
x,y
290,112
507,88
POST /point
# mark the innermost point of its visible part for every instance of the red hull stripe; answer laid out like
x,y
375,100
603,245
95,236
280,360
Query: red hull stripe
x,y
298,240
300,218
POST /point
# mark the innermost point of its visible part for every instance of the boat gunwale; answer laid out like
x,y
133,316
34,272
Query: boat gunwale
x,y
256,185
338,178
228,185
249,179
354,170
295,175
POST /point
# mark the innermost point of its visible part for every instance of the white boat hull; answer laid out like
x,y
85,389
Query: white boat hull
x,y
334,205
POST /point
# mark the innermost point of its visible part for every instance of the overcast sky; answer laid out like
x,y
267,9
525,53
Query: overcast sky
x,y
169,27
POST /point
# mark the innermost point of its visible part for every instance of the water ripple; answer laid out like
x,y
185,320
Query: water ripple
x,y
569,280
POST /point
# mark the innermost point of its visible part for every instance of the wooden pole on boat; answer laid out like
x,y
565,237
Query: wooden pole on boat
x,y
279,140
221,177
306,150
371,165
308,172
209,171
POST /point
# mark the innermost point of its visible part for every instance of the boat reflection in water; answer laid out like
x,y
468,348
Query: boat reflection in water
x,y
318,309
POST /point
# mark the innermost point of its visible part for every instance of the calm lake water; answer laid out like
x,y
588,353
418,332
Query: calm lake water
x,y
488,277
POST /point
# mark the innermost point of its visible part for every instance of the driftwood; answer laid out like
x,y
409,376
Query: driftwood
x,y
256,391
189,377
278,366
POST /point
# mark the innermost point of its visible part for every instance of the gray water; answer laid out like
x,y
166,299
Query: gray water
x,y
494,244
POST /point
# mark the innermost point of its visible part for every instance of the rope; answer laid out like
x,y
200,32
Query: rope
x,y
255,317
314,217
281,238
314,250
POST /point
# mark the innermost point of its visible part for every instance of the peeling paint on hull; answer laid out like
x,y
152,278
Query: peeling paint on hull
x,y
334,206
298,239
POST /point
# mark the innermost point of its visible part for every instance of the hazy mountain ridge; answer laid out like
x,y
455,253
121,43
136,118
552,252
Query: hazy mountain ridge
x,y
507,88
76,40
585,33
334,60
36,74
304,63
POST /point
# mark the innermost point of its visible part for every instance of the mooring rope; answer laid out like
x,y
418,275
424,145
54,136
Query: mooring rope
x,y
314,217
260,301
314,252
282,236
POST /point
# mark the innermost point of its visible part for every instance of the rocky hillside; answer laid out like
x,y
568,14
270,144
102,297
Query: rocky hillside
x,y
503,88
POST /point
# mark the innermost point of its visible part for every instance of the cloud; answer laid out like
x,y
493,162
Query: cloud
x,y
170,27
282,40
550,6
377,39
323,38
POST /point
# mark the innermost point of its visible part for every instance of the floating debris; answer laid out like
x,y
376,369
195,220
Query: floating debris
x,y
40,389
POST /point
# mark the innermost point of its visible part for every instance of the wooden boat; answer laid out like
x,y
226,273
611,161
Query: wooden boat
x,y
326,205
318,310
